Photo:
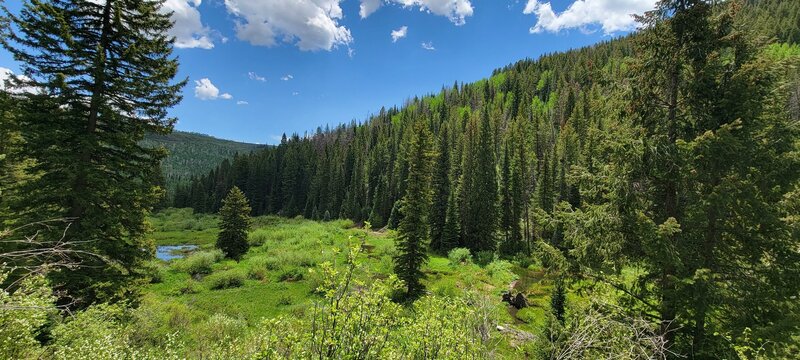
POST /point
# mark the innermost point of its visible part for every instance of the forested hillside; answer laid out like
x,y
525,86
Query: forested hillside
x,y
192,154
635,199
672,151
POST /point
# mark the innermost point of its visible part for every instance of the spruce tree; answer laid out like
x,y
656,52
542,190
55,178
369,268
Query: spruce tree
x,y
104,77
479,186
412,237
441,192
234,224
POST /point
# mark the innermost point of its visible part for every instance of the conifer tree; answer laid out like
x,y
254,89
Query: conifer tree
x,y
104,77
412,239
234,224
479,186
441,192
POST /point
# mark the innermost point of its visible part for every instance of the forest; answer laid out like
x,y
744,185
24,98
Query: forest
x,y
641,194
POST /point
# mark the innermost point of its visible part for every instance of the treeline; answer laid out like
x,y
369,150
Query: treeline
x,y
513,136
663,165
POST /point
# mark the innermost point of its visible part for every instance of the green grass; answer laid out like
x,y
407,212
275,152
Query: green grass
x,y
277,278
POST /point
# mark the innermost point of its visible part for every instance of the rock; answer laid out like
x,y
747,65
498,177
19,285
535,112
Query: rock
x,y
500,328
520,301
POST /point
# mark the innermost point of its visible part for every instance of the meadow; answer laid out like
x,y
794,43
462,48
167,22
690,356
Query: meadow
x,y
280,277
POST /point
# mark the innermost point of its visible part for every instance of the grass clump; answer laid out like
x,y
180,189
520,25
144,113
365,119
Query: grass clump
x,y
501,271
199,262
225,279
460,256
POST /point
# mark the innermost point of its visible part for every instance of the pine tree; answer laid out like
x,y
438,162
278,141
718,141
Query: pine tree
x,y
234,224
413,230
441,193
104,74
479,187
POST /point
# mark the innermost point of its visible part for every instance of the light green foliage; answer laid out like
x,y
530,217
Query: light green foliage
x,y
225,279
101,332
183,226
460,256
501,271
199,262
23,311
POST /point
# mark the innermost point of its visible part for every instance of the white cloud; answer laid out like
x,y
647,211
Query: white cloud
x,y
295,93
428,46
256,77
399,33
287,77
455,10
6,74
368,7
611,15
205,90
310,24
188,30
241,102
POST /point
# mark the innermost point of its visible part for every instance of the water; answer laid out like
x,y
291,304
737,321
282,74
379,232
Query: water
x,y
169,252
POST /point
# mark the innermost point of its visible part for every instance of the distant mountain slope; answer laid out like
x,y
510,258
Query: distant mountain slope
x,y
192,154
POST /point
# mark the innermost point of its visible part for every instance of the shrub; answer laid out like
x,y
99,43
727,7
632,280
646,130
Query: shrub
x,y
290,274
221,328
483,258
23,312
258,237
446,288
189,287
460,256
500,271
199,262
225,279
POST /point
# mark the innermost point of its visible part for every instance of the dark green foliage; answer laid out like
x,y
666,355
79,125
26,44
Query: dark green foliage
x,y
190,155
106,83
412,234
441,193
478,192
234,225
558,300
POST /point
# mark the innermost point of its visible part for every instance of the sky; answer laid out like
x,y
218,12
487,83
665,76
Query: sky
x,y
259,68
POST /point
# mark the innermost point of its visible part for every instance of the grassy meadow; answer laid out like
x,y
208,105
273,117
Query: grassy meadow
x,y
278,277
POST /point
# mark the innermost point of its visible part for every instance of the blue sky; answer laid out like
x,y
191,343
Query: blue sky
x,y
259,68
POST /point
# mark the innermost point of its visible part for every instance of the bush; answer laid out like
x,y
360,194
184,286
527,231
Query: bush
x,y
23,312
225,279
483,258
291,274
189,287
460,256
446,288
258,237
199,262
500,271
221,328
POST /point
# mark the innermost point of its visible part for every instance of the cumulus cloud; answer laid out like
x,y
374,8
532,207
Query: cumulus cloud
x,y
428,46
253,76
611,15
287,77
241,102
368,7
295,93
205,90
309,24
399,33
189,31
455,10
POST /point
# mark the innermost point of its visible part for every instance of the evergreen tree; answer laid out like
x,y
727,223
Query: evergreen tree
x,y
441,193
479,187
413,233
234,224
103,73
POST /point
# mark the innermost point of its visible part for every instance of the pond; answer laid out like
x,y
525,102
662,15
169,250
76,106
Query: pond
x,y
169,252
